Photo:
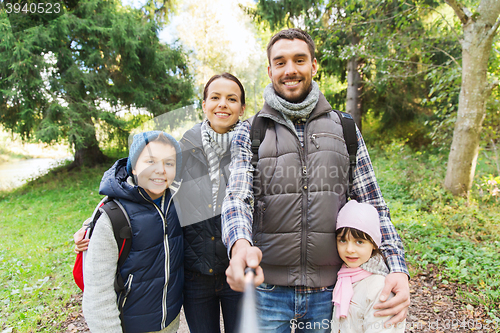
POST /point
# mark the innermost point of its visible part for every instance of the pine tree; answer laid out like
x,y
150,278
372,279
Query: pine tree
x,y
58,77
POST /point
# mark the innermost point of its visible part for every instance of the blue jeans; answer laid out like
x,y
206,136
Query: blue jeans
x,y
204,295
280,309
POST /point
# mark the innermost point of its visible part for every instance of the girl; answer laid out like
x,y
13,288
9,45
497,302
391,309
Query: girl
x,y
357,290
144,184
205,172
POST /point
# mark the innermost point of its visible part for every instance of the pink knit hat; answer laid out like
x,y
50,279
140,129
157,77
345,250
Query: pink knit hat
x,y
361,216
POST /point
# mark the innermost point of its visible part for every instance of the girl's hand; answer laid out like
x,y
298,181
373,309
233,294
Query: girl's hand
x,y
81,244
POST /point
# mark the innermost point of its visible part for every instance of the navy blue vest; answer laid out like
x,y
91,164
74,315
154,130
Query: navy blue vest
x,y
156,280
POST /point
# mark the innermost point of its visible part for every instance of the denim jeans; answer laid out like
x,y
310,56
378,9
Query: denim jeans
x,y
204,295
280,309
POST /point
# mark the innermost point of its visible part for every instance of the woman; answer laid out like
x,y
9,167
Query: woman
x,y
206,158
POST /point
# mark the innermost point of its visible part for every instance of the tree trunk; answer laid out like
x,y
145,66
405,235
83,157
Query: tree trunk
x,y
88,154
353,100
476,48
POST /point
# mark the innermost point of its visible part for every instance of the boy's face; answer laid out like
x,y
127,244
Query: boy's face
x,y
354,251
155,168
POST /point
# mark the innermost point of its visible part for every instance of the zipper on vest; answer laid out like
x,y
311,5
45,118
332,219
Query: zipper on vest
x,y
167,254
316,135
305,188
303,244
128,287
167,265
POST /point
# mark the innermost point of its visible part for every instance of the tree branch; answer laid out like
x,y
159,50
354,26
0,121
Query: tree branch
x,y
443,17
494,28
459,10
449,55
488,12
492,86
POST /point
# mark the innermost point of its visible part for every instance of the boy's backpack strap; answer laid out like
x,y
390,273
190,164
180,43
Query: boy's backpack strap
x,y
121,228
123,235
351,141
257,133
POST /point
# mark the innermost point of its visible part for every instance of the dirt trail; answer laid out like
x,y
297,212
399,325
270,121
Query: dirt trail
x,y
435,308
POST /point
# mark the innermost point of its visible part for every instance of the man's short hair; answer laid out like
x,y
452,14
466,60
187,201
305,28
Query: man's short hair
x,y
292,33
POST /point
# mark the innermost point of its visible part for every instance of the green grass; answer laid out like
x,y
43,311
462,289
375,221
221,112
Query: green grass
x,y
36,259
459,235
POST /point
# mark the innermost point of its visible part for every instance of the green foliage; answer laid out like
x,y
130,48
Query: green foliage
x,y
489,188
62,79
278,14
159,10
460,236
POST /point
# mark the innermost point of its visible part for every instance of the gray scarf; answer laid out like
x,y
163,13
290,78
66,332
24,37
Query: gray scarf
x,y
376,265
292,110
215,146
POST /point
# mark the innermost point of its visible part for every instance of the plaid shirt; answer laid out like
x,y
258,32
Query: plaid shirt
x,y
238,204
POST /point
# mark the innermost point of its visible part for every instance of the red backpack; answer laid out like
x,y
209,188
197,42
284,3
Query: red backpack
x,y
123,235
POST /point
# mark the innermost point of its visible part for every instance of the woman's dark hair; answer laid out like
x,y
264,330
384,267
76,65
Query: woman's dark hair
x,y
228,77
343,233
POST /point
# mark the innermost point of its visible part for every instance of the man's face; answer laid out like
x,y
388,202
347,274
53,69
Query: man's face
x,y
291,69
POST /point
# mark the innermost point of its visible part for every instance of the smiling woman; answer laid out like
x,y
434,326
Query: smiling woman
x,y
206,157
223,103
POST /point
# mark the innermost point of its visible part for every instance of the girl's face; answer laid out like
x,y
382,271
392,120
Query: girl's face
x,y
354,251
223,105
155,168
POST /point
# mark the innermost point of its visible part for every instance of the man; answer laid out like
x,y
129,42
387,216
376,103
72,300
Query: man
x,y
300,185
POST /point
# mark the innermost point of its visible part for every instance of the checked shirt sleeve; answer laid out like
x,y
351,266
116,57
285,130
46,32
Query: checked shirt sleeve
x,y
237,207
366,189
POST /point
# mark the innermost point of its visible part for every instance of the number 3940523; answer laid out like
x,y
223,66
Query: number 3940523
x,y
32,8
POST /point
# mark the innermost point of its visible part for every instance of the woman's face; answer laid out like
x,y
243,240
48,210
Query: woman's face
x,y
223,104
155,168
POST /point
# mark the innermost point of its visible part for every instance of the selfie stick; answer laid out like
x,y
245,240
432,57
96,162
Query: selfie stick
x,y
248,314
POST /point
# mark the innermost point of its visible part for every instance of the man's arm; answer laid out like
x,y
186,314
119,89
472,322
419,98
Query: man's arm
x,y
366,189
237,212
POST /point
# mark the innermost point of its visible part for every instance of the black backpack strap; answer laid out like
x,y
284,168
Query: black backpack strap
x,y
257,134
123,236
351,141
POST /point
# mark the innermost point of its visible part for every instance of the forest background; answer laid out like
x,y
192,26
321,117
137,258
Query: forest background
x,y
420,77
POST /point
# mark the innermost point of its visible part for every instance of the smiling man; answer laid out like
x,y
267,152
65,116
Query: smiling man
x,y
281,221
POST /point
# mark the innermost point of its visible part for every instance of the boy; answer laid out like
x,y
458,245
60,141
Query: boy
x,y
144,184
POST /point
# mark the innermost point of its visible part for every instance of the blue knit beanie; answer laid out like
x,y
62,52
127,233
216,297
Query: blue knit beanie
x,y
141,140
